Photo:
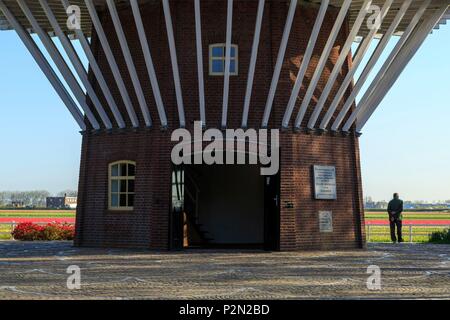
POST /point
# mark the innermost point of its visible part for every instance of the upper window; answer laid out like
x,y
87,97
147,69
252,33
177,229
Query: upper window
x,y
121,185
217,59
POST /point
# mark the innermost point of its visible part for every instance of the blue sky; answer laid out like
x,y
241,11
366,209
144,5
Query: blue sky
x,y
404,147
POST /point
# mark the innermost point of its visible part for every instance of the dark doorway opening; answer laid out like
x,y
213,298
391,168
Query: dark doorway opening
x,y
224,206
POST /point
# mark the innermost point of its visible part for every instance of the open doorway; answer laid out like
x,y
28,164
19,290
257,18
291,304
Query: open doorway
x,y
224,206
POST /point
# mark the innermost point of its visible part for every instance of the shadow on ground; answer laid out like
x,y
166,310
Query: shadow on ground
x,y
38,270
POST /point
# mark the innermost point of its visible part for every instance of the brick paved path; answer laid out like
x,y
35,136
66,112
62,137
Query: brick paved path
x,y
38,271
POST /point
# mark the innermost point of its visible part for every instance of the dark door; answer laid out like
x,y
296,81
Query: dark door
x,y
272,212
177,209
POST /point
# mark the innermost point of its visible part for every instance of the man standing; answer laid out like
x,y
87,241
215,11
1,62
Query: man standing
x,y
395,209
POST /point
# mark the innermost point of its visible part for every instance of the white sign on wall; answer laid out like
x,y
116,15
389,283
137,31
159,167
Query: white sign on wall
x,y
326,221
325,182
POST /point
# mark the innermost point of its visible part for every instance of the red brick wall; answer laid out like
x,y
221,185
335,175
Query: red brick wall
x,y
147,226
300,224
213,31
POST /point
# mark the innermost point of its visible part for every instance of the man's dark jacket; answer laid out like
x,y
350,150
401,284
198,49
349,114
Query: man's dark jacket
x,y
395,208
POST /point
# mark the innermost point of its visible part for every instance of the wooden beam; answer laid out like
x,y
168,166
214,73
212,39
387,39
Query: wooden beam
x,y
338,65
357,60
44,66
305,63
149,62
253,59
371,64
97,72
279,63
129,62
76,62
174,60
322,62
199,47
361,107
57,58
112,62
400,63
226,81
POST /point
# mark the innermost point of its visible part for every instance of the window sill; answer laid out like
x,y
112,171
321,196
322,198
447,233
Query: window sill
x,y
119,211
222,74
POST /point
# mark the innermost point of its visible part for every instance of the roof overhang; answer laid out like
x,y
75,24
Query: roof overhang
x,y
412,20
101,4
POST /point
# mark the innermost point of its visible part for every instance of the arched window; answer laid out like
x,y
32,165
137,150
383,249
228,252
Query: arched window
x,y
121,185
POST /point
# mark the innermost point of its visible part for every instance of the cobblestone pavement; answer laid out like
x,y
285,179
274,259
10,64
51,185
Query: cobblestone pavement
x,y
38,271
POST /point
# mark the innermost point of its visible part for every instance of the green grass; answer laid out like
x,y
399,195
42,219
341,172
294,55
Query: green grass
x,y
411,215
37,213
5,228
378,233
420,234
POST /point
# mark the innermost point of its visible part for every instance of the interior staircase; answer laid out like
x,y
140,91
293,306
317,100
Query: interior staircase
x,y
195,233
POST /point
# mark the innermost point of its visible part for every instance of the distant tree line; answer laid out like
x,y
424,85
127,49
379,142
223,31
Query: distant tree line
x,y
67,193
35,198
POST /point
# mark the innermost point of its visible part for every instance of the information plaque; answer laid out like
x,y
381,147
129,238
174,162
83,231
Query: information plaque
x,y
326,221
325,182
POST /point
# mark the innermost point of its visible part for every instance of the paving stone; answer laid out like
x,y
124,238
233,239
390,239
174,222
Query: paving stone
x,y
38,270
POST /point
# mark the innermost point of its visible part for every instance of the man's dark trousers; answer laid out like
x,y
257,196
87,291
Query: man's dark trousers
x,y
396,223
